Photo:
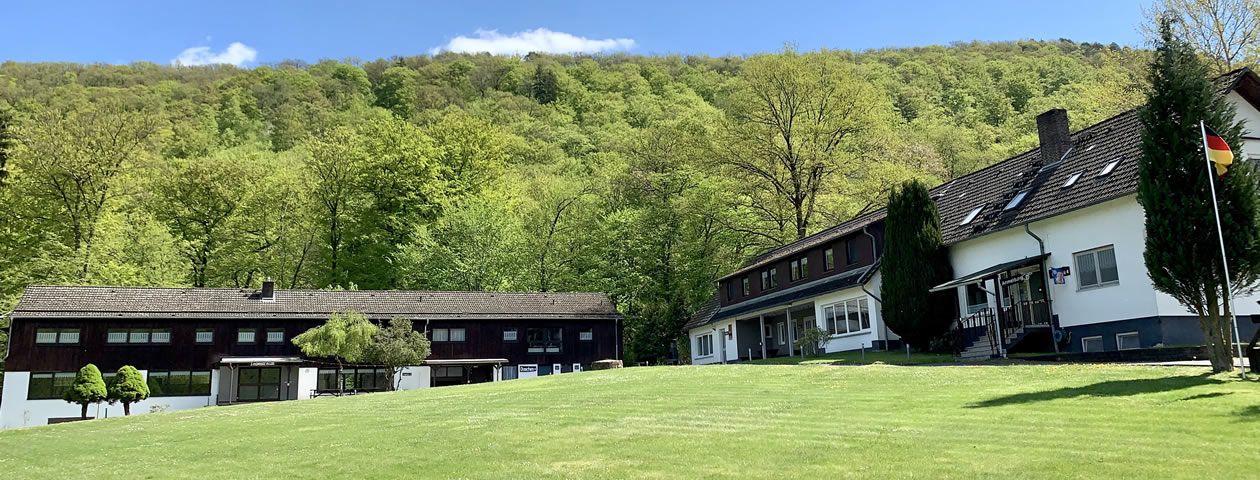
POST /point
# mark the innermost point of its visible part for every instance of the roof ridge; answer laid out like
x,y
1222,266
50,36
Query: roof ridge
x,y
310,290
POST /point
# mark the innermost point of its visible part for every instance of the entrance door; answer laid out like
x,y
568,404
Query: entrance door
x,y
258,384
1025,296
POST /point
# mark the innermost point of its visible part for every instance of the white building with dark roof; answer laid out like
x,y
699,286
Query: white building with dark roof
x,y
1047,248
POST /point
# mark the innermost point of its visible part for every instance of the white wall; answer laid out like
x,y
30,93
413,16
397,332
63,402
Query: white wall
x,y
16,411
851,341
307,381
414,377
719,337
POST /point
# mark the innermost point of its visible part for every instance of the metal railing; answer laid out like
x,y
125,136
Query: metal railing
x,y
981,325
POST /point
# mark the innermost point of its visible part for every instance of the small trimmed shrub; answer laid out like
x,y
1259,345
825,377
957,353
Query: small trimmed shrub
x,y
88,388
127,387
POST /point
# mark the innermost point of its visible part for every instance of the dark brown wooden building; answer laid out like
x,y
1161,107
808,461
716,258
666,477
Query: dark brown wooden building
x,y
206,346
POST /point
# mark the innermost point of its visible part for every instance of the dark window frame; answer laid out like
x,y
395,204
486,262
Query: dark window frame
x,y
516,335
58,333
187,385
829,259
54,392
199,331
267,336
851,254
450,333
546,343
148,335
590,332
254,331
747,286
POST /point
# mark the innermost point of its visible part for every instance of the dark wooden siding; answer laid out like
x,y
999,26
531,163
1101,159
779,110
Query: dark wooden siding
x,y
867,253
484,339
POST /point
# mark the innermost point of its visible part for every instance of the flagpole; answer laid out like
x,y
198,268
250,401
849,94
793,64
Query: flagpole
x,y
1224,262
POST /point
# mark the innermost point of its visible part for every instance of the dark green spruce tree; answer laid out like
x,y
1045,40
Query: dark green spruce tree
x,y
915,260
1183,253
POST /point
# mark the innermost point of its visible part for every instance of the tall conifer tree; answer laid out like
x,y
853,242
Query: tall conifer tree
x,y
1183,253
915,260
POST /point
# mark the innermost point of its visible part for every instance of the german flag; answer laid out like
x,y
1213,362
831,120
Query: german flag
x,y
1218,151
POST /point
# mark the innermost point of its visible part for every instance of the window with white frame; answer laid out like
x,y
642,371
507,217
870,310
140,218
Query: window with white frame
x,y
769,333
782,333
1092,344
1127,341
1097,268
509,335
849,316
138,335
704,345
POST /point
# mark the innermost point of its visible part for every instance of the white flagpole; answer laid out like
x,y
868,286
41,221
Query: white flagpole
x,y
1224,262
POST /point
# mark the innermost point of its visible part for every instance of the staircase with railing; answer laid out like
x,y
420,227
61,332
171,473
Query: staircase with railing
x,y
989,333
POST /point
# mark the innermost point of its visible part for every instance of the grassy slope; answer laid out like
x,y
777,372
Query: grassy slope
x,y
856,358
687,422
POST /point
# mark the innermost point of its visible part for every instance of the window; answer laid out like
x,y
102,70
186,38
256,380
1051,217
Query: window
x,y
138,335
160,335
441,335
972,216
800,268
508,373
745,286
704,345
765,280
457,335
586,335
782,333
1016,201
256,384
275,335
849,316
557,368
577,367
116,335
509,335
245,335
544,340
851,251
1127,341
730,290
205,336
67,336
1097,268
178,383
769,333
829,259
1109,167
1072,179
1091,344
977,298
49,385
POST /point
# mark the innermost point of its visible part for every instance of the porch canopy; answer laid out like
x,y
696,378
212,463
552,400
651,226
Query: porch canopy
x,y
466,361
259,361
989,272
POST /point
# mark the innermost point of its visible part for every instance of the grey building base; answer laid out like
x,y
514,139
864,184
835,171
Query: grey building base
x,y
1152,331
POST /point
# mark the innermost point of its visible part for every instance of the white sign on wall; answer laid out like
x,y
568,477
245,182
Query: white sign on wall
x,y
527,371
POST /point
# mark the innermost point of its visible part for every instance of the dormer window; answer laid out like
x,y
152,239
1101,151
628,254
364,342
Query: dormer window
x,y
1016,201
1072,179
972,216
746,290
1109,167
268,291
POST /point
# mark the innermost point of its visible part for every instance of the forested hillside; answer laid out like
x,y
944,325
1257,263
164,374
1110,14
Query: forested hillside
x,y
644,177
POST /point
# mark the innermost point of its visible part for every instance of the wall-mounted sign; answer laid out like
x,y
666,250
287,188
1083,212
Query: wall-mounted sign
x,y
1059,275
1013,280
262,364
527,369
406,374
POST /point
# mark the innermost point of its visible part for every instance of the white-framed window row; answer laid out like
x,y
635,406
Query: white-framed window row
x,y
1092,344
1096,268
848,317
704,345
1128,341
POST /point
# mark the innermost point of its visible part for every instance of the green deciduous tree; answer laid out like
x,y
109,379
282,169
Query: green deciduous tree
x,y
88,388
1227,31
1183,254
127,387
396,346
915,260
345,337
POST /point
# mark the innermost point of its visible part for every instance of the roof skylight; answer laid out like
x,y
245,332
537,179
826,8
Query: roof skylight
x,y
1015,201
1109,167
972,216
1072,179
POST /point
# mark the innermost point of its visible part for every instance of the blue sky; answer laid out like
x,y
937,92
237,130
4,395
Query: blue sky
x,y
272,31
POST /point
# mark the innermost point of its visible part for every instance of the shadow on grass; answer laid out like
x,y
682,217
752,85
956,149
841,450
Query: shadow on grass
x,y
1250,414
1114,388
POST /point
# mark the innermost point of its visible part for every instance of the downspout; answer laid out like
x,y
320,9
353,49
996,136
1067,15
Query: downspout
x,y
1041,245
876,297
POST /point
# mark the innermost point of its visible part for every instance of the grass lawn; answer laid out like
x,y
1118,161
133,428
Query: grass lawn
x,y
856,358
738,421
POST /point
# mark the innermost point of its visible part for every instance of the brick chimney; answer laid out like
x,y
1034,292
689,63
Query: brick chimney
x,y
268,290
1052,132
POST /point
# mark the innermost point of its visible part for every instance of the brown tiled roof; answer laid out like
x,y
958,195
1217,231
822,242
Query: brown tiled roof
x,y
704,316
845,228
145,302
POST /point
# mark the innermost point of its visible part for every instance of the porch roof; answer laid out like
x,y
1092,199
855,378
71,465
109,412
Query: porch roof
x,y
817,287
988,272
259,360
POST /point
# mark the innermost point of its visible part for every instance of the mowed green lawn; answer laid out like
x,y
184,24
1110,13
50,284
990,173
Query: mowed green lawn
x,y
746,421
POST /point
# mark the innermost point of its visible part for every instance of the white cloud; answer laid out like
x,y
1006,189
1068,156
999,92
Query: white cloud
x,y
236,54
537,40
